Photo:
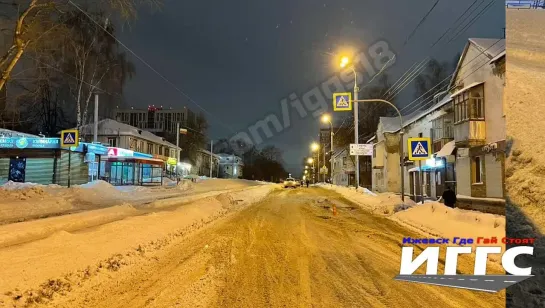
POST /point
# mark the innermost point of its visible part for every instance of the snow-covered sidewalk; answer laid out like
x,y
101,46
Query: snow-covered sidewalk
x,y
430,218
28,201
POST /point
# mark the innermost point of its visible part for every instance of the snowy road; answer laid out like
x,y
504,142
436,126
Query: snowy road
x,y
287,250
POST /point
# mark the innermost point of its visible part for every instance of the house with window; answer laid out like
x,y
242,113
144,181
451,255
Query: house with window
x,y
120,135
204,161
230,166
427,178
479,125
343,173
385,162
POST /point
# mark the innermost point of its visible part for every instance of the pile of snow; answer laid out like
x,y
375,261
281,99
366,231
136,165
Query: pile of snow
x,y
381,203
437,219
525,167
10,185
96,191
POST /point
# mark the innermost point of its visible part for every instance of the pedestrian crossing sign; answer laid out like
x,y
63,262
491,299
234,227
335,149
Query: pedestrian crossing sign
x,y
69,138
419,148
342,101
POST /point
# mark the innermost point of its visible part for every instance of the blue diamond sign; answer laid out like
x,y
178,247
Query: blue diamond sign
x,y
342,101
419,148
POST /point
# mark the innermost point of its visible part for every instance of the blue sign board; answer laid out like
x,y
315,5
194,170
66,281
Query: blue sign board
x,y
29,143
96,148
419,148
142,155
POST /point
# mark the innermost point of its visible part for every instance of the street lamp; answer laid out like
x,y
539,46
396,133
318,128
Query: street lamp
x,y
326,118
344,62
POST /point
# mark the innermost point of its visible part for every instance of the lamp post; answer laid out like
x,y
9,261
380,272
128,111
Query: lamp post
x,y
326,118
401,155
344,62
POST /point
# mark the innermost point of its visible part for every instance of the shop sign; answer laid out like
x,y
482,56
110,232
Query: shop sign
x,y
29,143
120,152
171,161
96,149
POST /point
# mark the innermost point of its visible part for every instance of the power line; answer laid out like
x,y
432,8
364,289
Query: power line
x,y
421,21
450,28
482,52
149,66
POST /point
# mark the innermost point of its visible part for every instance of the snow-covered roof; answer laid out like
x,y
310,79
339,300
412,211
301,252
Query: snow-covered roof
x,y
499,56
467,88
208,153
111,127
11,133
391,124
491,47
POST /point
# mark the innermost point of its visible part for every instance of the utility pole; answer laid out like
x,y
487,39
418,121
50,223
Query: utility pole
x,y
211,148
177,144
95,131
356,134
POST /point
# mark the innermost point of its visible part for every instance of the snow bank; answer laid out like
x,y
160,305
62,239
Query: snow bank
x,y
525,167
437,219
10,185
432,218
66,253
382,203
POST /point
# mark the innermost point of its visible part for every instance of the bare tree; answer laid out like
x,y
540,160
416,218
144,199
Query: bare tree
x,y
35,20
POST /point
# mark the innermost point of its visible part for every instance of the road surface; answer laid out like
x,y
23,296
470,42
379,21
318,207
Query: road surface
x,y
288,250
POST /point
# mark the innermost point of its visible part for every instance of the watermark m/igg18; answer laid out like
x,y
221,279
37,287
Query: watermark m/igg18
x,y
314,102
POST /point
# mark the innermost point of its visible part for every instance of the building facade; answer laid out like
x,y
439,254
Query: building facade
x,y
479,125
343,168
466,125
230,166
158,120
120,135
202,165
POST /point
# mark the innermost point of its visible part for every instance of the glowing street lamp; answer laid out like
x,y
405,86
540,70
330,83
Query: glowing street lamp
x,y
310,160
314,147
344,61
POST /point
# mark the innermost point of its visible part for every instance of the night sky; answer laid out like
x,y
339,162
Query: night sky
x,y
239,59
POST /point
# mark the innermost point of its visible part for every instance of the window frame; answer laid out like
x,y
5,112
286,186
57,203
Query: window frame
x,y
477,178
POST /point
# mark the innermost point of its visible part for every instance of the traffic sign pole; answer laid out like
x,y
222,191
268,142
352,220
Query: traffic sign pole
x,y
356,136
421,176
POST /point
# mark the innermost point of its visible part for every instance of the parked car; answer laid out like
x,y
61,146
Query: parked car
x,y
290,183
297,182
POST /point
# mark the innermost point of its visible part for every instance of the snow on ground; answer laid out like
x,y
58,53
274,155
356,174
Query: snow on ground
x,y
382,204
30,272
525,167
431,218
27,201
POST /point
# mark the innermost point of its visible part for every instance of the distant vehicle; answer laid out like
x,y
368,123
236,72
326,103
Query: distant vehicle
x,y
290,183
297,182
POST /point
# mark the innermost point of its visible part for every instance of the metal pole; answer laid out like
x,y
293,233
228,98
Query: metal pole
x,y
318,165
400,133
177,145
95,133
211,166
402,164
356,136
421,181
69,161
331,155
